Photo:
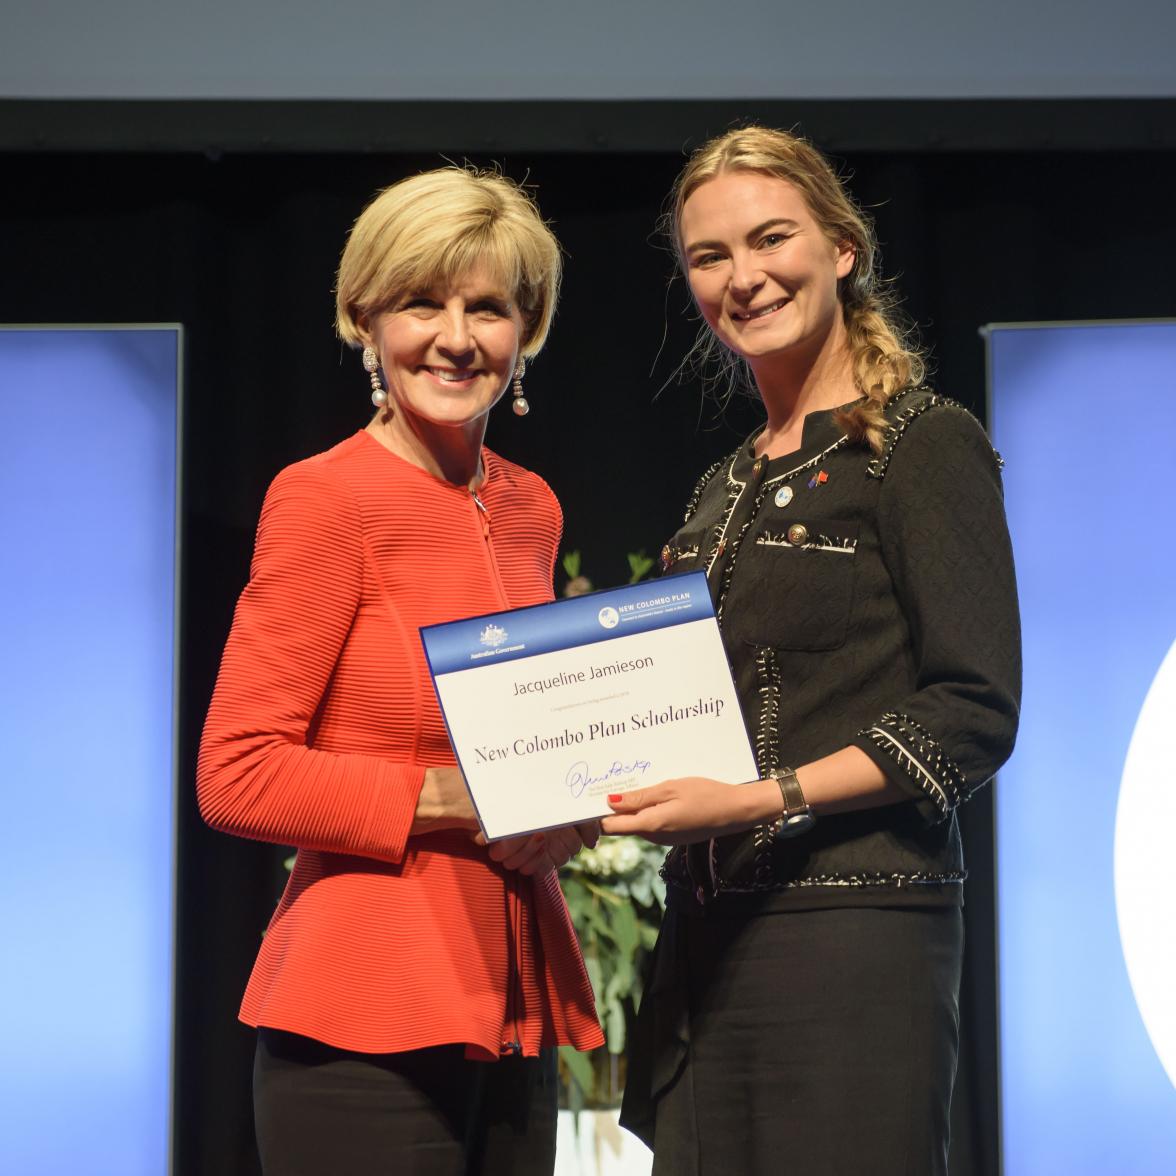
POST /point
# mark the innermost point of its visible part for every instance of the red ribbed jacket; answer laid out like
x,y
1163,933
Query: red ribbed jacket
x,y
319,732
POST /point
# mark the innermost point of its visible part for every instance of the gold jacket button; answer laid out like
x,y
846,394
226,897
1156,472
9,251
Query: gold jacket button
x,y
798,534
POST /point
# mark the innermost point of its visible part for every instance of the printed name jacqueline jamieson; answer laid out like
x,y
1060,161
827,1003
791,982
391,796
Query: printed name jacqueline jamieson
x,y
608,670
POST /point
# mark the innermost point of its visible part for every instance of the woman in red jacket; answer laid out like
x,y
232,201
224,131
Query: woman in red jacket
x,y
412,983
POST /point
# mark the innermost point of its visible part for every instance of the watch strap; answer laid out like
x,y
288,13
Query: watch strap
x,y
791,793
796,814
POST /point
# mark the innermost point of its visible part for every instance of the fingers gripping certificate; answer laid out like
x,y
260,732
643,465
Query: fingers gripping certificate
x,y
552,708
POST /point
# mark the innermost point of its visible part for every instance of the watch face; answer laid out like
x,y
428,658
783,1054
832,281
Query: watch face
x,y
797,823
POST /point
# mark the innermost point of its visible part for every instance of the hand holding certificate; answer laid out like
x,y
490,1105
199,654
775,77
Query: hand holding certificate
x,y
550,709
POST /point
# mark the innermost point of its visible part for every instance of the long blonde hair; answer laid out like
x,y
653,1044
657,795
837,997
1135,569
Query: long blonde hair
x,y
886,358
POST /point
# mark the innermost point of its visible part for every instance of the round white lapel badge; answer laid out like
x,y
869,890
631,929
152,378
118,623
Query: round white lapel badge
x,y
784,496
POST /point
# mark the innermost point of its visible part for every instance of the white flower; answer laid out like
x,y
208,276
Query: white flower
x,y
612,857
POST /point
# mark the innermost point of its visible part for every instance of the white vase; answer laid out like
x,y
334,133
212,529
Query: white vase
x,y
597,1145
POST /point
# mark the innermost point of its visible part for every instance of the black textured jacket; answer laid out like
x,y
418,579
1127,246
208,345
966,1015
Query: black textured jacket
x,y
865,600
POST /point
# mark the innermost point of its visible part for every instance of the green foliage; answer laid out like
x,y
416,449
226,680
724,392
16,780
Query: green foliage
x,y
571,564
616,899
640,565
579,1075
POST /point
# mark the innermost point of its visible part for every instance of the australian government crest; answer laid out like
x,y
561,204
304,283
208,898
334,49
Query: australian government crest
x,y
493,636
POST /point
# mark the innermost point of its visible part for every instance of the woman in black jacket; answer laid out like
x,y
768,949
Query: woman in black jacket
x,y
803,1011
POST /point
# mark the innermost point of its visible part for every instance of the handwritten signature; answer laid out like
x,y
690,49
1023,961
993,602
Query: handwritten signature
x,y
579,777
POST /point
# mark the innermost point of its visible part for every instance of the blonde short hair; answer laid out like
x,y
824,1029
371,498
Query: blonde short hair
x,y
886,358
432,229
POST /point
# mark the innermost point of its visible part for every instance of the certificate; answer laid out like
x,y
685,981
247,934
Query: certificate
x,y
552,708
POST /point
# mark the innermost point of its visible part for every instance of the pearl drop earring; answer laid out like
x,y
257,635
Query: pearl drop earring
x,y
371,365
521,407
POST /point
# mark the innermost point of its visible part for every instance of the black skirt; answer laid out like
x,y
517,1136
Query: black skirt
x,y
820,1042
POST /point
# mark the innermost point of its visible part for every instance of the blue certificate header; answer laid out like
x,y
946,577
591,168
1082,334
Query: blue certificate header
x,y
564,624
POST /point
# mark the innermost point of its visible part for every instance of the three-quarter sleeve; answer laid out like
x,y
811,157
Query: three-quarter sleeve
x,y
946,546
259,774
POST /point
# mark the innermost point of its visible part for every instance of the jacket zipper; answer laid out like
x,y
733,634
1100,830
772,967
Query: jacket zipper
x,y
514,979
483,516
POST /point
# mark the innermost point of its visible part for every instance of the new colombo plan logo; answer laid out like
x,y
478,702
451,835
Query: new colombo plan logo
x,y
608,617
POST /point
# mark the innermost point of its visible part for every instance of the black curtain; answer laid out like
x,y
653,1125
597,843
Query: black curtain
x,y
242,248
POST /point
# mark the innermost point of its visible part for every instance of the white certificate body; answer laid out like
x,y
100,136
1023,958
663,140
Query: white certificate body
x,y
552,708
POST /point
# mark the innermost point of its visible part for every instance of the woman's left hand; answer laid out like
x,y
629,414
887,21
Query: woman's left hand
x,y
678,812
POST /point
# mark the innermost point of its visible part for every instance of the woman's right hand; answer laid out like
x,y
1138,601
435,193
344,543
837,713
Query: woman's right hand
x,y
540,853
444,803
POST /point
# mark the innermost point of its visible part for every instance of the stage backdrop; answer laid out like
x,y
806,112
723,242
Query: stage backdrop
x,y
1086,808
88,483
607,50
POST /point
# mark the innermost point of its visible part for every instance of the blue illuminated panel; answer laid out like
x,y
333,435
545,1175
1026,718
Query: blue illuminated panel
x,y
87,530
1086,809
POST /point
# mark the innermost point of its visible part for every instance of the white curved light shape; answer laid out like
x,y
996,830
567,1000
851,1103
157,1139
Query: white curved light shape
x,y
1144,895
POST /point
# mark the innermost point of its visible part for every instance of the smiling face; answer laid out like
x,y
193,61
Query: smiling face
x,y
448,353
762,271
